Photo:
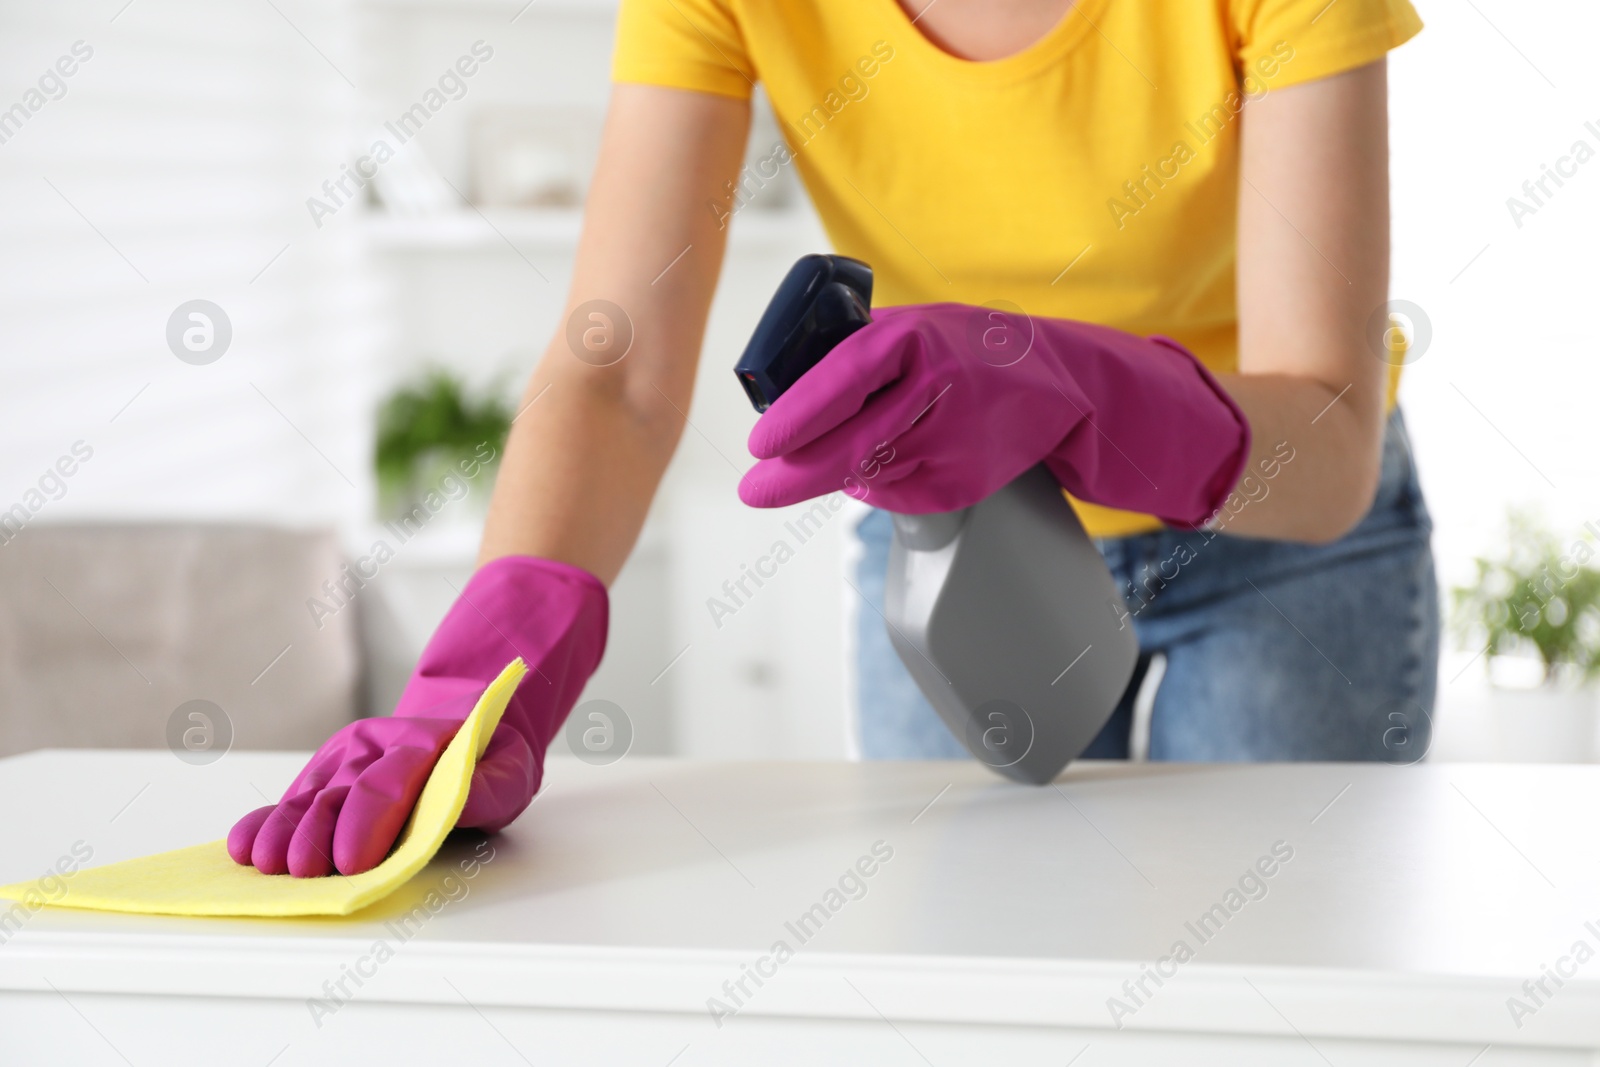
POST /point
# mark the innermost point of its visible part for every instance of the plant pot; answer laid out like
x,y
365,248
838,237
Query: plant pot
x,y
451,486
1545,724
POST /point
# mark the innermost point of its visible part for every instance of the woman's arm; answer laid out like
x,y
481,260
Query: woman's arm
x,y
1313,267
589,448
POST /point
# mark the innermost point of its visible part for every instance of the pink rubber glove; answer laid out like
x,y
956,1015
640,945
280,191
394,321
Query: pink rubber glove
x,y
345,809
934,407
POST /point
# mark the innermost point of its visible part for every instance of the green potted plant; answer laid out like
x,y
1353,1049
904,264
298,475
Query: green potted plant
x,y
1534,610
436,443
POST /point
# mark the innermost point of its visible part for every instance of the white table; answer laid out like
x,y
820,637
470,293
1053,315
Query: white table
x,y
1416,901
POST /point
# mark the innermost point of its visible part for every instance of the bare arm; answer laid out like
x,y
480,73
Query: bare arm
x,y
593,438
1313,266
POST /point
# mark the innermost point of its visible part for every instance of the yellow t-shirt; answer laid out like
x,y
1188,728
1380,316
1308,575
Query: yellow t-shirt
x,y
1092,176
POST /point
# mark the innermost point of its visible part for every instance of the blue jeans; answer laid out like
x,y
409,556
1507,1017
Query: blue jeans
x,y
1274,650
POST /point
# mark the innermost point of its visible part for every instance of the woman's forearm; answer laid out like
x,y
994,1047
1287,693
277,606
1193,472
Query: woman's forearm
x,y
1314,457
581,466
1313,271
603,412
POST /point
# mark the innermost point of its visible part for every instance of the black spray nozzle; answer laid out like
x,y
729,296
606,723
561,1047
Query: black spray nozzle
x,y
821,301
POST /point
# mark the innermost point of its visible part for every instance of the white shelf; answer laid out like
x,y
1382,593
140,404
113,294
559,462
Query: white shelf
x,y
450,543
466,229
556,229
606,8
453,543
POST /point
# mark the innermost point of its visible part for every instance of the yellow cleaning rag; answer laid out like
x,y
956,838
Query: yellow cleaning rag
x,y
204,880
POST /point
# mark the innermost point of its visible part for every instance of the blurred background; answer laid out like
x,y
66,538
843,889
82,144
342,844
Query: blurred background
x,y
246,354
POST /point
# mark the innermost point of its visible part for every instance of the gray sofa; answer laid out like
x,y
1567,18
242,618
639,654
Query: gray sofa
x,y
109,632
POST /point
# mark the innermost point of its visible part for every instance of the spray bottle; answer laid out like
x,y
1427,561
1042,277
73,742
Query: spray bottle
x,y
1002,612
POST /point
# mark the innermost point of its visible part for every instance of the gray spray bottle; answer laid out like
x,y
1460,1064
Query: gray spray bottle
x,y
1003,611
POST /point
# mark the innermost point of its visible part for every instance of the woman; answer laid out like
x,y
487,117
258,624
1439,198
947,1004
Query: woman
x,y
1190,201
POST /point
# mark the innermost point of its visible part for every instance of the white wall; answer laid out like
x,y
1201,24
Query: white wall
x,y
1489,93
175,168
